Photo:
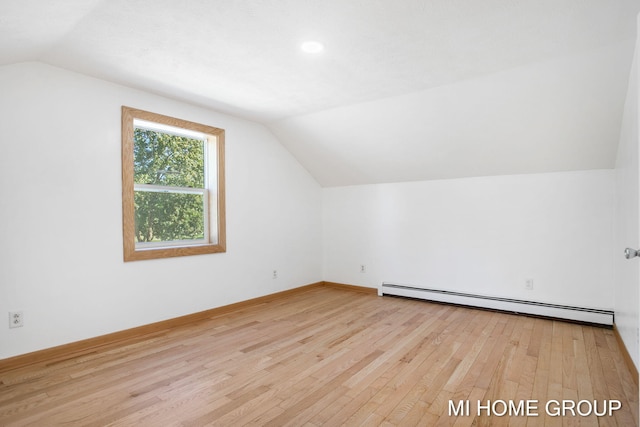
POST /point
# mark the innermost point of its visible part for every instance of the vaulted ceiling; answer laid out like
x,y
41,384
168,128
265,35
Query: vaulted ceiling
x,y
404,90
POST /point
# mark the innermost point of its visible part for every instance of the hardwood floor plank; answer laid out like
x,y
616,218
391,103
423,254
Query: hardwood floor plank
x,y
292,411
328,357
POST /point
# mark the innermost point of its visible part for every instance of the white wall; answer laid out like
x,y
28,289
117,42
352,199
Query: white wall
x,y
481,235
61,222
627,232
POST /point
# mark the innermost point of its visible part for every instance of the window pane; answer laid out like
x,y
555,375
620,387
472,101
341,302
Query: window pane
x,y
166,159
165,217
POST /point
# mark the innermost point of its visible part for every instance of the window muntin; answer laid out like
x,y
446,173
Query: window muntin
x,y
173,186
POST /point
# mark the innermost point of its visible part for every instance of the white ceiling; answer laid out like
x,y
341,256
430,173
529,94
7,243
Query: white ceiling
x,y
405,90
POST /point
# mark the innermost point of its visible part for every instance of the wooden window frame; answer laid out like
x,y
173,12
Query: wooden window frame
x,y
217,224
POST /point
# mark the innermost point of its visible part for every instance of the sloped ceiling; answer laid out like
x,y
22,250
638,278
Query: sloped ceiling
x,y
404,90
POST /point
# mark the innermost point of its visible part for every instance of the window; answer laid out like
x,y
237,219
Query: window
x,y
172,186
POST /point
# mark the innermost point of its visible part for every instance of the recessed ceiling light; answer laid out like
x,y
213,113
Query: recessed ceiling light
x,y
312,47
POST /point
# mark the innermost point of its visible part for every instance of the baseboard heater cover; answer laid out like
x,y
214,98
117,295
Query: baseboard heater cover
x,y
580,314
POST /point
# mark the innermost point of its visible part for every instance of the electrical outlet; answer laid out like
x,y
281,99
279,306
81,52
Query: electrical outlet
x,y
16,319
528,285
275,274
363,268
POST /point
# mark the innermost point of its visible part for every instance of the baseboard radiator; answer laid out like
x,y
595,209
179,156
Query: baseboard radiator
x,y
580,314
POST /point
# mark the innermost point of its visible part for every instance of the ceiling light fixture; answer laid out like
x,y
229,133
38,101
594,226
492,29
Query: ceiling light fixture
x,y
312,47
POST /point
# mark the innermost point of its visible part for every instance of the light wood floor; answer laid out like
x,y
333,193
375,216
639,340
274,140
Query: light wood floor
x,y
329,357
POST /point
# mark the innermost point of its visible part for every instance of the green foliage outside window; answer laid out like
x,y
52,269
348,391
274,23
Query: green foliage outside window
x,y
162,159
